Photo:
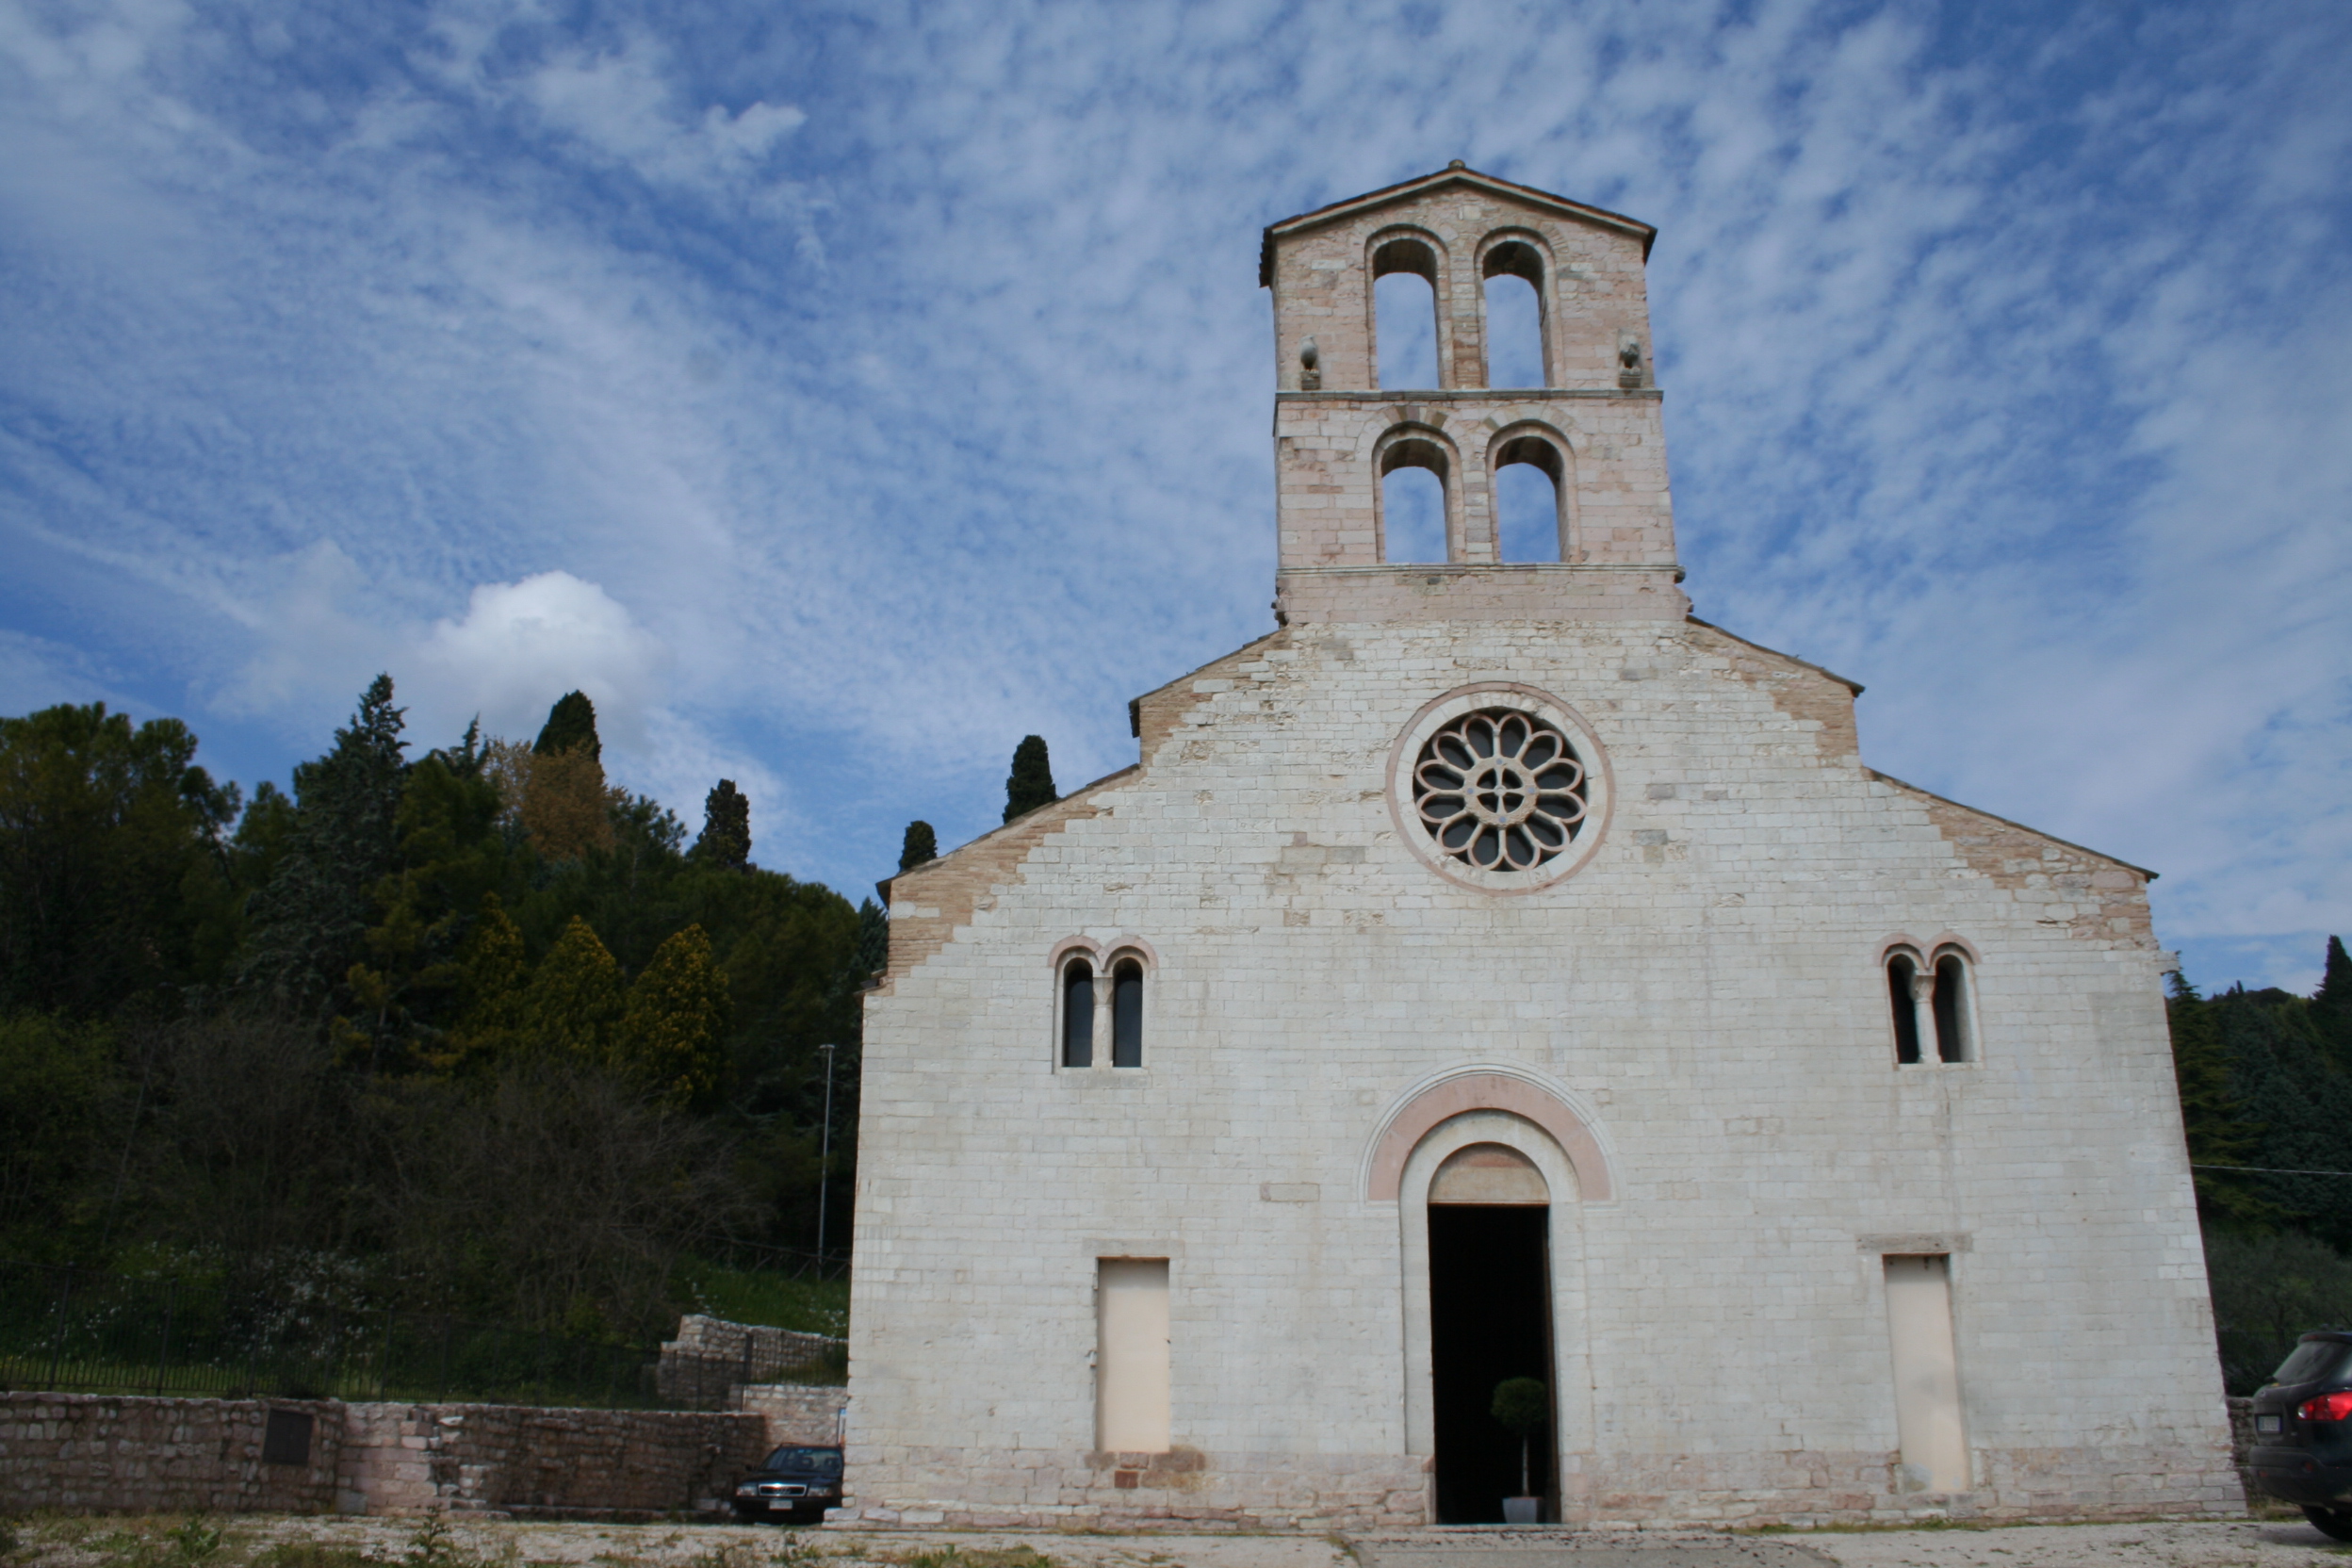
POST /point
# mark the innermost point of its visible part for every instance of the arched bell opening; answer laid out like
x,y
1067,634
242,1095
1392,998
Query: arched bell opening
x,y
1408,346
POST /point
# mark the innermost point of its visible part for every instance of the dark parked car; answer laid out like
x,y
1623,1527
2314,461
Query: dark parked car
x,y
798,1483
2303,1432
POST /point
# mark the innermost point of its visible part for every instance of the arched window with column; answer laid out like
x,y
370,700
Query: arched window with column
x,y
1530,472
1902,999
1516,341
1955,1006
1127,1010
1077,1003
1933,1004
1416,501
1405,290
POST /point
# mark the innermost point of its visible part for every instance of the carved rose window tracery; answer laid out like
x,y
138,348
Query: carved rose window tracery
x,y
1500,790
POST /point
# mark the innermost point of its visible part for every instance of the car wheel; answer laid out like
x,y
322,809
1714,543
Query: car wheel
x,y
2333,1523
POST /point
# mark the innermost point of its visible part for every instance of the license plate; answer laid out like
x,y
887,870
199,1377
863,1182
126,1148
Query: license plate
x,y
2270,1423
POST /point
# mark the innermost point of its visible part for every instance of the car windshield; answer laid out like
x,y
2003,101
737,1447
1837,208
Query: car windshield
x,y
823,1462
2313,1359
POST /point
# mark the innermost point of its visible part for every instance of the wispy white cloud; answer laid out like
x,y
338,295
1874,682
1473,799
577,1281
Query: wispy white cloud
x,y
893,384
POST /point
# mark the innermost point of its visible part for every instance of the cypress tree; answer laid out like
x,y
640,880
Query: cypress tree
x,y
571,724
573,1005
921,844
2332,1006
725,839
311,916
673,1020
1031,782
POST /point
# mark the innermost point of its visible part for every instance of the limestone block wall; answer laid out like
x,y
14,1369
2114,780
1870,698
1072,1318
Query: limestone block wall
x,y
106,1453
509,1459
1705,994
118,1454
710,1357
796,1413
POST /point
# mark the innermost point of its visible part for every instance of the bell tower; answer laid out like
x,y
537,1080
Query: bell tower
x,y
1593,428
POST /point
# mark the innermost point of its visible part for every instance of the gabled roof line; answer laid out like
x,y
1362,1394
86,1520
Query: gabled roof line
x,y
1851,685
2011,822
883,887
1457,174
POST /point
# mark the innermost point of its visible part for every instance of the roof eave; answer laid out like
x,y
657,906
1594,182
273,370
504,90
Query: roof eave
x,y
1338,210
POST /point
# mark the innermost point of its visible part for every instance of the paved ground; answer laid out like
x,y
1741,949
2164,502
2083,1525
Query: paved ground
x,y
501,1543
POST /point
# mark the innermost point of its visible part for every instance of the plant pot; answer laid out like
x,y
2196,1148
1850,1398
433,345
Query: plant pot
x,y
1522,1511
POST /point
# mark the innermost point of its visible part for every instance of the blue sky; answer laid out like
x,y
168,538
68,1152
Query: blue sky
x,y
840,393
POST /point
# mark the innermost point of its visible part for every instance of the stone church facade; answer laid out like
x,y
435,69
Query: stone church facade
x,y
1497,972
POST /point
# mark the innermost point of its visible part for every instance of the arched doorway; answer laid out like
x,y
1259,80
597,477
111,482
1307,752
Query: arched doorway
x,y
1490,1320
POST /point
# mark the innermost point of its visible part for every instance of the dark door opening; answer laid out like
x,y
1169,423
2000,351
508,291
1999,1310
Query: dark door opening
x,y
1490,1318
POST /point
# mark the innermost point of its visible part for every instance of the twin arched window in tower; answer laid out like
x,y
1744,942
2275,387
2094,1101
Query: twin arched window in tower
x,y
1098,1006
1931,998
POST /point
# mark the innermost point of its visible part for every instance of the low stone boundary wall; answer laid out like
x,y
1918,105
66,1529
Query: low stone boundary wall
x,y
125,1453
98,1453
710,1357
796,1413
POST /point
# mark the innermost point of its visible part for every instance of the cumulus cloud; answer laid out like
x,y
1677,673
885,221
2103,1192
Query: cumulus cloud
x,y
520,645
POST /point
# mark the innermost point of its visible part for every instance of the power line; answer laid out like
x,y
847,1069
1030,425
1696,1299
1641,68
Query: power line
x,y
2270,1170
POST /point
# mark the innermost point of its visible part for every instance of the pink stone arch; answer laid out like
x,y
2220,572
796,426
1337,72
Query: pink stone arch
x,y
1486,1091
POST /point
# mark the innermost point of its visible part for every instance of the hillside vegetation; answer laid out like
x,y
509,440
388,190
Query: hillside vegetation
x,y
465,1031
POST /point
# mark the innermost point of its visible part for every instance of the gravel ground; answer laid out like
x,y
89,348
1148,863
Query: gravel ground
x,y
145,1543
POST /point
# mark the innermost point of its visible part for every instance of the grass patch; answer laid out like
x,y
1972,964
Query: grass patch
x,y
1018,1554
770,1298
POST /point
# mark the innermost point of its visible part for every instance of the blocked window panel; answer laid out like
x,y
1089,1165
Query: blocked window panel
x,y
1927,1374
1132,1356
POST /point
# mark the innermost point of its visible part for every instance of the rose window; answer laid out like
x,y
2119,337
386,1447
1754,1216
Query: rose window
x,y
1499,789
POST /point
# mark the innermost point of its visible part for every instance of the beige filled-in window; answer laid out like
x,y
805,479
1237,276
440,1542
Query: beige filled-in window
x,y
1131,1377
1927,1373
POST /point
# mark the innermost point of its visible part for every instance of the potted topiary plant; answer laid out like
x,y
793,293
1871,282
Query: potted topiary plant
x,y
1522,1404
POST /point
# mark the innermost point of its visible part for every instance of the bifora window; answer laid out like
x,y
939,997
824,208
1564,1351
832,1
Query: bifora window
x,y
1500,790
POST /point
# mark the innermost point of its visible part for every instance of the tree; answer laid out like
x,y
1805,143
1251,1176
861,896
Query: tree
x,y
57,1083
571,726
919,846
726,837
1522,1404
111,859
573,1005
566,808
311,917
675,1018
1031,782
2218,1136
493,975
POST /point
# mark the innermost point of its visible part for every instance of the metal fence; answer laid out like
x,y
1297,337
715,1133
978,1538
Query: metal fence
x,y
87,1330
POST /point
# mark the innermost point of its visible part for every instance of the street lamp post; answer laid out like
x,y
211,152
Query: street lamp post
x,y
825,1157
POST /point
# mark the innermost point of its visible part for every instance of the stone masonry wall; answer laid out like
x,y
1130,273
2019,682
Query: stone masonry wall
x,y
508,1458
106,1453
794,1414
711,1357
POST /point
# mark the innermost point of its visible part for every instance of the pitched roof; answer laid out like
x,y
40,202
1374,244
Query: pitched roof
x,y
1454,174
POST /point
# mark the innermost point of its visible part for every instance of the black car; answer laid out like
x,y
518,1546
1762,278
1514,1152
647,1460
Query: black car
x,y
798,1483
2303,1432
